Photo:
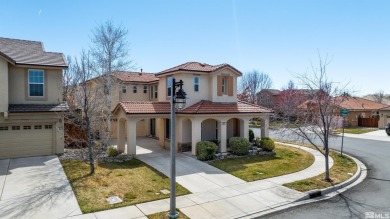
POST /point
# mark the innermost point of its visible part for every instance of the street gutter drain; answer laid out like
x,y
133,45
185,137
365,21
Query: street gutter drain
x,y
315,194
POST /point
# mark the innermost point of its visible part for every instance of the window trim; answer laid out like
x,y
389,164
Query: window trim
x,y
145,89
43,83
124,89
135,89
155,92
169,86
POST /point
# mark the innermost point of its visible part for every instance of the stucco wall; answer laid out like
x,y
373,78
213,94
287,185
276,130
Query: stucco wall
x,y
130,96
3,85
18,86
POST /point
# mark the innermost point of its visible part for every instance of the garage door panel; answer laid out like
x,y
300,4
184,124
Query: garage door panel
x,y
26,142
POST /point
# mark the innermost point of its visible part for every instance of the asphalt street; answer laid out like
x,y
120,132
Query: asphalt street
x,y
372,195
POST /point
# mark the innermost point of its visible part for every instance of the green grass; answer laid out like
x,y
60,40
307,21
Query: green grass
x,y
338,173
287,160
164,215
133,181
357,130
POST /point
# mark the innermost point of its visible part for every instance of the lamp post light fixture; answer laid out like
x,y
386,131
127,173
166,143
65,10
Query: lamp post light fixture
x,y
178,101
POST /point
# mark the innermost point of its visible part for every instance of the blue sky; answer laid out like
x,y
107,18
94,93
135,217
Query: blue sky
x,y
277,37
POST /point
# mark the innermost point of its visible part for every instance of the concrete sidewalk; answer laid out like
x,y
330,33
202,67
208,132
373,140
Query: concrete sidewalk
x,y
215,194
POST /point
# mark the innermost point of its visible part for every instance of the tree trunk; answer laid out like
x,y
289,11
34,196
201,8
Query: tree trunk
x,y
327,175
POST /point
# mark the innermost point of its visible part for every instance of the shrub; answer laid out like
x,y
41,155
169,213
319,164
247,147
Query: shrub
x,y
267,144
257,142
215,141
97,144
251,135
205,150
112,151
239,145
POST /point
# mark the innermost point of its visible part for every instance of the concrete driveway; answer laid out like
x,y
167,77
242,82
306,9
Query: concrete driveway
x,y
35,187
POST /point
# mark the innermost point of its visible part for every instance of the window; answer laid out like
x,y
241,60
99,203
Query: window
x,y
167,129
37,127
124,90
105,90
151,91
3,128
196,83
135,89
27,127
155,91
145,89
48,126
169,86
35,83
224,85
15,127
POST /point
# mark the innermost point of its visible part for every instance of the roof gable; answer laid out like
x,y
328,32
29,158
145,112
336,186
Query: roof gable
x,y
25,52
198,67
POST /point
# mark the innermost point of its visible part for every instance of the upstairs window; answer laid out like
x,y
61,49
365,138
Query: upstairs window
x,y
35,83
196,83
155,91
124,90
169,86
135,89
224,85
145,89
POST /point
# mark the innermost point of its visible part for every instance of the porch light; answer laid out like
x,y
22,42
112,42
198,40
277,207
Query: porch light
x,y
178,101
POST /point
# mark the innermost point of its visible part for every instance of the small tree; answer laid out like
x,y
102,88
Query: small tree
x,y
379,96
316,117
253,82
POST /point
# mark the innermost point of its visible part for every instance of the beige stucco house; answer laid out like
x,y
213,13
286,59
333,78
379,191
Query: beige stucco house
x,y
31,123
212,110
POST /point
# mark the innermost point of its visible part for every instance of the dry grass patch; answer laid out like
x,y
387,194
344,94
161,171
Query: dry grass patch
x,y
338,173
164,215
133,181
286,160
358,130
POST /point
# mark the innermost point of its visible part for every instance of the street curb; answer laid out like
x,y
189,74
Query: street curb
x,y
326,193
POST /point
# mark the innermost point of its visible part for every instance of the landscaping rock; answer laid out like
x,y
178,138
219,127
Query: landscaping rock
x,y
114,200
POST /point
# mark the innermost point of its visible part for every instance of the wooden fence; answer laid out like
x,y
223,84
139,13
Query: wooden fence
x,y
368,122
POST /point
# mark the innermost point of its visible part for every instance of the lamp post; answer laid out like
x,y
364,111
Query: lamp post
x,y
178,101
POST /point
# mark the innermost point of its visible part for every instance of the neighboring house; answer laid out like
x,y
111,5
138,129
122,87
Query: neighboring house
x,y
362,112
31,123
212,110
268,98
384,117
127,86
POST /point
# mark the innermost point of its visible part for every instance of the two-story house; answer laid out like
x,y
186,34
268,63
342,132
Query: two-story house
x,y
212,110
31,123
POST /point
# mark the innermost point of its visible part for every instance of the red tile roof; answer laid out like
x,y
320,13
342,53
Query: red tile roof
x,y
208,107
357,103
127,76
197,67
144,107
202,107
28,52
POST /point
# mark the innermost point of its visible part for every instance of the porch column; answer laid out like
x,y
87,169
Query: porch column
x,y
121,133
131,136
244,128
222,134
160,131
147,126
196,134
265,127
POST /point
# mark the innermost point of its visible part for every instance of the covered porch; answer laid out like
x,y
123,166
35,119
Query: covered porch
x,y
191,126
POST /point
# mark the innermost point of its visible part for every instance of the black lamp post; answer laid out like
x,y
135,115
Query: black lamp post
x,y
178,101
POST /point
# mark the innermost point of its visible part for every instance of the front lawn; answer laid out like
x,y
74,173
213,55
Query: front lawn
x,y
341,171
357,130
133,181
250,168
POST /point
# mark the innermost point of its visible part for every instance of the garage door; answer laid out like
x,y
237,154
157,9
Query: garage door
x,y
26,140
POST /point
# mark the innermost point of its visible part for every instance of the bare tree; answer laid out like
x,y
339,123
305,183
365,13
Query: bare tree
x,y
110,53
379,96
84,107
316,117
253,82
291,85
67,79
